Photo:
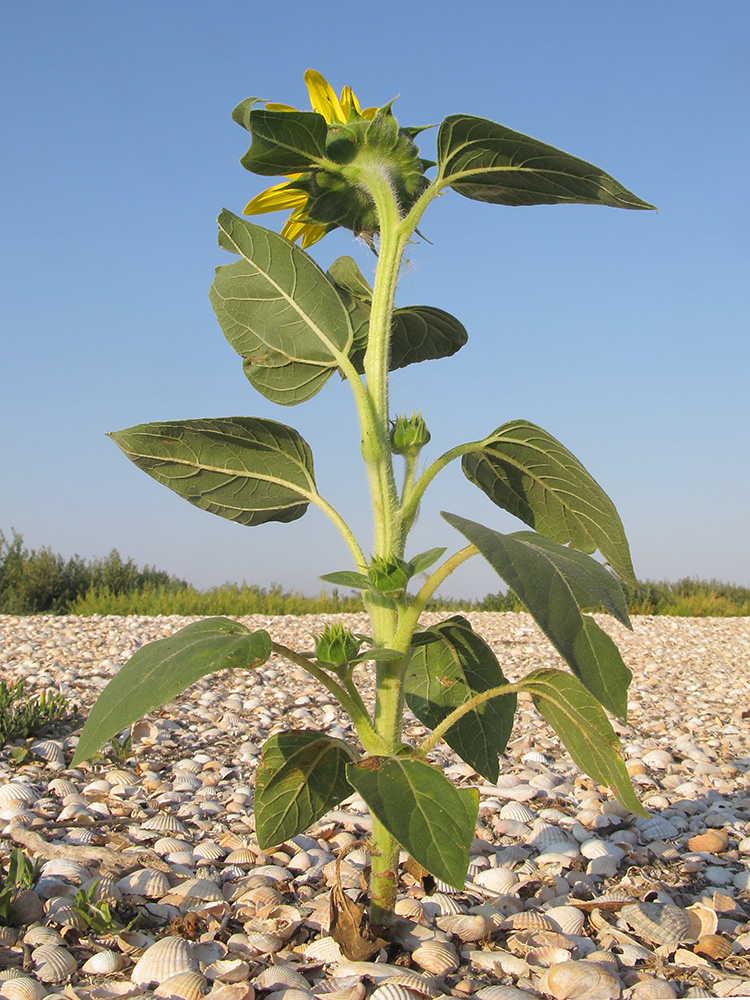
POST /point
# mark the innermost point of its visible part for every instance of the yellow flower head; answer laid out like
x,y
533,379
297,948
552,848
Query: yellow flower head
x,y
324,155
286,196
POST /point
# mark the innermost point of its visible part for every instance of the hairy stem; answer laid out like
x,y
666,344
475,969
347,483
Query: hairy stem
x,y
458,713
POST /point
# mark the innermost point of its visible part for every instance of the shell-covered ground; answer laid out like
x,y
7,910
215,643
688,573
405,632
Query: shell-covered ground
x,y
149,879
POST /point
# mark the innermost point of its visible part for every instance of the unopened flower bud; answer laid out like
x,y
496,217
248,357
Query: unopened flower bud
x,y
409,434
388,576
336,646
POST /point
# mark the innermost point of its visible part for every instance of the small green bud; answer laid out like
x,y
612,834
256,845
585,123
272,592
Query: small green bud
x,y
336,646
409,434
388,576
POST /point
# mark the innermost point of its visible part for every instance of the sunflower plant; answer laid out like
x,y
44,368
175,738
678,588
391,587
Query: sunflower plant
x,y
294,326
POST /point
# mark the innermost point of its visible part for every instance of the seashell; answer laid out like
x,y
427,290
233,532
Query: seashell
x,y
280,977
393,991
192,894
602,867
503,993
405,906
650,988
707,919
163,823
466,926
659,759
710,842
581,980
568,919
102,887
114,989
499,963
656,828
262,943
104,963
324,950
148,882
517,811
184,781
51,751
376,971
171,845
227,970
440,904
596,848
120,776
499,880
607,959
243,856
232,991
71,871
660,923
22,988
208,851
424,986
162,960
53,963
529,920
714,946
9,937
436,957
17,793
350,988
547,956
182,986
289,994
133,942
60,910
35,937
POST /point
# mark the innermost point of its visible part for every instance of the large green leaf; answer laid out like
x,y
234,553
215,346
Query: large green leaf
x,y
489,162
550,580
584,730
443,675
160,671
302,774
279,311
418,333
431,818
243,468
284,142
526,471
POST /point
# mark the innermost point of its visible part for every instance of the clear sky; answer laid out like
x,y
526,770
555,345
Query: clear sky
x,y
624,334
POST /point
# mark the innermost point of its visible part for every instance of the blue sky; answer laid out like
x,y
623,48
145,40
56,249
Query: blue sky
x,y
624,334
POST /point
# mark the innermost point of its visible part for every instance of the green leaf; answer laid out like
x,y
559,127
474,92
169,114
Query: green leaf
x,y
279,311
241,114
243,468
160,671
379,653
488,162
302,774
424,560
428,816
347,578
584,730
526,471
549,578
284,142
445,674
418,333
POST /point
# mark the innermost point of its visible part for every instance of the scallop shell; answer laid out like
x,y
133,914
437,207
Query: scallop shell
x,y
59,910
547,956
280,920
51,751
262,943
349,988
499,963
164,823
193,893
171,845
160,961
714,946
660,759
182,986
529,920
499,880
325,950
231,991
503,993
650,988
289,994
228,970
392,991
22,988
52,963
466,926
440,904
437,957
568,919
280,977
104,963
660,923
209,951
656,828
71,871
16,793
35,937
517,811
133,942
148,882
581,980
607,959
425,986
209,851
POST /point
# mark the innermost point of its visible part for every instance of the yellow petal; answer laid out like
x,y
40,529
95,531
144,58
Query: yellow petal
x,y
349,101
369,113
279,107
311,235
294,227
323,98
274,199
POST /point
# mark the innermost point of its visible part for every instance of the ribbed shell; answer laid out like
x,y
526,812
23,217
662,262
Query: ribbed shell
x,y
17,793
547,956
228,970
231,991
193,892
182,986
104,963
651,988
581,979
499,880
164,959
440,904
148,882
52,963
22,988
348,988
325,950
466,926
436,957
280,977
163,823
35,937
503,993
660,923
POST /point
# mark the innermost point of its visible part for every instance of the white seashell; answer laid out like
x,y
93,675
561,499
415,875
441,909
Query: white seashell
x,y
16,793
35,937
659,759
60,910
499,963
71,871
232,991
22,988
547,956
350,988
466,926
53,963
208,851
605,958
415,982
596,848
289,994
583,980
102,887
163,823
499,880
262,943
209,951
325,950
62,787
133,942
228,970
393,991
148,882
602,867
51,751
160,961
651,988
185,782
660,923
121,777
656,828
413,909
104,963
529,920
440,904
517,811
193,893
280,977
568,919
170,845
113,989
182,986
503,993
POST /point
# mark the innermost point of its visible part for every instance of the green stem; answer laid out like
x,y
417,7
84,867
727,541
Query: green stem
x,y
409,620
344,530
412,501
384,875
458,713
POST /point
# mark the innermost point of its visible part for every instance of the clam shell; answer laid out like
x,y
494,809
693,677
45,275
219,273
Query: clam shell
x,y
71,871
228,970
53,963
262,943
104,963
650,988
660,923
162,960
350,988
325,950
209,951
133,942
466,926
182,986
289,994
280,977
392,991
209,851
714,946
547,956
499,963
192,894
499,880
59,910
567,919
517,811
22,988
232,991
35,937
16,793
656,828
582,981
163,823
440,904
529,920
147,882
503,993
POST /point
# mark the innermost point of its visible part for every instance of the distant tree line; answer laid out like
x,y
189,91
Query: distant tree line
x,y
34,582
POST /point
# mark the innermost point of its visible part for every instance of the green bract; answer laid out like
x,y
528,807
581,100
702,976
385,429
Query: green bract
x,y
294,326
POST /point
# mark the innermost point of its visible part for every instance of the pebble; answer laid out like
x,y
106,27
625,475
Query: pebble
x,y
661,908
